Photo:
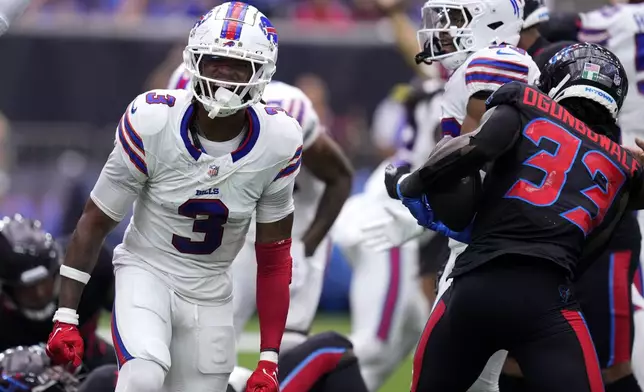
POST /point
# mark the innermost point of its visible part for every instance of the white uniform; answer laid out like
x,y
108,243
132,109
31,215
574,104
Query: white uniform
x,y
485,70
388,309
191,214
621,29
308,272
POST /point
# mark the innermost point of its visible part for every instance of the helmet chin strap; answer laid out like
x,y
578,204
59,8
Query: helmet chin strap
x,y
223,97
555,90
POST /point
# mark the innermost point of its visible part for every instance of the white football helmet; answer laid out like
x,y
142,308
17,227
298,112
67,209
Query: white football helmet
x,y
233,30
468,26
534,13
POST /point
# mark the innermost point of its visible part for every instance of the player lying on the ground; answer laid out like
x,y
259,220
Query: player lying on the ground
x,y
532,232
30,259
196,165
28,369
323,363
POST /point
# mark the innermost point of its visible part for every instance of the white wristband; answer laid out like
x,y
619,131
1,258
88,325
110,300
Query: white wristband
x,y
73,273
268,356
66,315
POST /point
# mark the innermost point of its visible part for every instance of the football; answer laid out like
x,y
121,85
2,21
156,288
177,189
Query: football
x,y
456,205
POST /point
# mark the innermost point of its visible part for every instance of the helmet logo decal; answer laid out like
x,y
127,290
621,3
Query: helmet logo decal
x,y
234,21
267,28
617,80
202,19
591,72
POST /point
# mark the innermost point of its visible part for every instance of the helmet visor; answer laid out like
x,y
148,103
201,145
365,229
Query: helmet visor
x,y
443,29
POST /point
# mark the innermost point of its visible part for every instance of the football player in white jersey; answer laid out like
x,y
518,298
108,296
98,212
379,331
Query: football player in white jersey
x,y
9,11
321,189
196,164
475,39
388,309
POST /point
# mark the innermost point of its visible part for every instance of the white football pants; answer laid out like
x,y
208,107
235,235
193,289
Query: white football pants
x,y
166,343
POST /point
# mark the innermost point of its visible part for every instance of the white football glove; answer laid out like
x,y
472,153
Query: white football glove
x,y
398,227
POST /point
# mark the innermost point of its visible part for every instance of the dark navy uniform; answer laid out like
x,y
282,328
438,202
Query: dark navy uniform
x,y
553,196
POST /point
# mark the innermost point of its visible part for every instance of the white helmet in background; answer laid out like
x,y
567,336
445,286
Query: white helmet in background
x,y
534,13
236,31
453,29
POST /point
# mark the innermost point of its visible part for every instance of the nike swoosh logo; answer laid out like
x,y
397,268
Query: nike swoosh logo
x,y
500,52
134,109
56,332
272,376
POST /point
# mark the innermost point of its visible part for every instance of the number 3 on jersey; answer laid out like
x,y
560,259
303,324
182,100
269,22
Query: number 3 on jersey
x,y
556,167
210,215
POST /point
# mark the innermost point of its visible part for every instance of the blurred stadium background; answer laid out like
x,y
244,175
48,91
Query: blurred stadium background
x,y
69,68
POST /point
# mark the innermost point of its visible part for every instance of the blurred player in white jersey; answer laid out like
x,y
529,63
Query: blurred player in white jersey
x,y
321,189
475,39
196,164
9,11
387,307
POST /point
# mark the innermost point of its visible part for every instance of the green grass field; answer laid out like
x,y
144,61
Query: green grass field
x,y
398,382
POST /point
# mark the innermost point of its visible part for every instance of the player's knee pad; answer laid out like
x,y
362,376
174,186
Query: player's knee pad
x,y
370,351
216,350
140,375
155,350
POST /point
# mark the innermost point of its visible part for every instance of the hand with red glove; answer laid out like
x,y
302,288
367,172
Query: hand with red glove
x,y
65,344
264,378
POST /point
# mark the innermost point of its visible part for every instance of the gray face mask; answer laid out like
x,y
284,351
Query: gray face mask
x,y
43,314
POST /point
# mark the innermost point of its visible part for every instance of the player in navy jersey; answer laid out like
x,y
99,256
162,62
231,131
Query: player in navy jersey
x,y
554,193
29,278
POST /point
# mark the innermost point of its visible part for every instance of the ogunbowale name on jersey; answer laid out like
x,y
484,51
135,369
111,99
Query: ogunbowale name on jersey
x,y
156,164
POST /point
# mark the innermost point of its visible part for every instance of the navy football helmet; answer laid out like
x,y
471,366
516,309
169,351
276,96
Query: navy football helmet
x,y
589,71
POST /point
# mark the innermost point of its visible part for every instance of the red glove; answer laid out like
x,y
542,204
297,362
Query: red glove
x,y
65,345
264,378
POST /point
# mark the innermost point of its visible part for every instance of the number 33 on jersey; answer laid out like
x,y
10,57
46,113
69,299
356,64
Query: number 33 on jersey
x,y
587,168
192,210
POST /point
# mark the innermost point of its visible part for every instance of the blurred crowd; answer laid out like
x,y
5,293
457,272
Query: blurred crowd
x,y
327,11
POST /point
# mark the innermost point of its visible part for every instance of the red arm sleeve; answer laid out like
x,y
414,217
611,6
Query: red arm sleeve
x,y
274,267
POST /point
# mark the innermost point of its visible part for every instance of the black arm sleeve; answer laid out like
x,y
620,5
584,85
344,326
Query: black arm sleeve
x,y
465,154
562,26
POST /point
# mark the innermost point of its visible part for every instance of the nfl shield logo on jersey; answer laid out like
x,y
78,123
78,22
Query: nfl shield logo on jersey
x,y
213,170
